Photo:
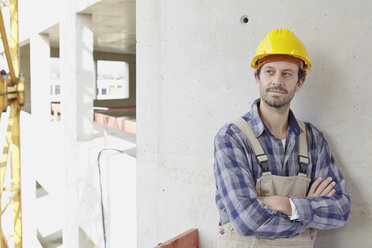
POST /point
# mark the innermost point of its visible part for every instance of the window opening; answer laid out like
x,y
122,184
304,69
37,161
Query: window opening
x,y
112,80
55,89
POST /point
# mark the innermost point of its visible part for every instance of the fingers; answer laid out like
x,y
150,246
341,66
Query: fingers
x,y
332,192
314,186
328,189
322,187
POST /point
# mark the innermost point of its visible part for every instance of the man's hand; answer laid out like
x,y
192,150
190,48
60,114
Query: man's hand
x,y
322,188
281,204
277,203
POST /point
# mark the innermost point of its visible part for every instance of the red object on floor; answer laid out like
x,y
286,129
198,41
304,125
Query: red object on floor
x,y
187,239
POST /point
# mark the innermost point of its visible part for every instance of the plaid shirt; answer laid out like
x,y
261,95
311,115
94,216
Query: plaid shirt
x,y
236,170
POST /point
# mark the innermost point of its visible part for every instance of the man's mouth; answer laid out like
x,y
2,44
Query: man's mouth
x,y
277,90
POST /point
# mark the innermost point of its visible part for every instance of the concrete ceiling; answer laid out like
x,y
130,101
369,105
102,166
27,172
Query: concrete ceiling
x,y
114,26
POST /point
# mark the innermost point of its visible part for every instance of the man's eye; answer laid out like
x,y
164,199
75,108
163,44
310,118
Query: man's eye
x,y
270,72
287,74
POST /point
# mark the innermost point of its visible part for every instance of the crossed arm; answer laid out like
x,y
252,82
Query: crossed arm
x,y
326,206
281,204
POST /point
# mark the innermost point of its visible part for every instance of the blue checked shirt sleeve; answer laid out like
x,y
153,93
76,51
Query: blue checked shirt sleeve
x,y
237,191
324,212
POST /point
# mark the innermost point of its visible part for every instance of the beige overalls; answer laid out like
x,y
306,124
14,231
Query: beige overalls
x,y
267,185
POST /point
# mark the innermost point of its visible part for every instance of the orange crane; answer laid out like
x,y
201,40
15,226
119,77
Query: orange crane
x,y
11,97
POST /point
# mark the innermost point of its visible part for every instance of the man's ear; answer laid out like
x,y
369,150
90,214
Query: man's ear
x,y
257,80
300,83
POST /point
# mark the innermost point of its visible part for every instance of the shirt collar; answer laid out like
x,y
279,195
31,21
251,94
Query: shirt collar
x,y
258,127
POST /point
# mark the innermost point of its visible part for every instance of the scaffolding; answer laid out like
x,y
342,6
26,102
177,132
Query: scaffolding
x,y
11,99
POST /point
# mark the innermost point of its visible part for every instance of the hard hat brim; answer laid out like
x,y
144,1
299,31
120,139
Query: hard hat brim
x,y
306,67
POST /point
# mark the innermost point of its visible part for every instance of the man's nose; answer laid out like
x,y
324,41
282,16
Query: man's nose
x,y
277,79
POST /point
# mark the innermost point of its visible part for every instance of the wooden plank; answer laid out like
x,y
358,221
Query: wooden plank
x,y
187,239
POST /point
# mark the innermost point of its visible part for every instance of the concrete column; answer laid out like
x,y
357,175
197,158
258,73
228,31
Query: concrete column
x,y
38,74
40,78
85,85
77,77
148,36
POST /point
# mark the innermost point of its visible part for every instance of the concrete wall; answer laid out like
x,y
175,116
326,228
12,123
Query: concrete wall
x,y
49,10
194,75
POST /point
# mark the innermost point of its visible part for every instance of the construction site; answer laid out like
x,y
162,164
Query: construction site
x,y
109,109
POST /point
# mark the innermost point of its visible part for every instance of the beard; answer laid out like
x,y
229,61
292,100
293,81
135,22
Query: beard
x,y
277,101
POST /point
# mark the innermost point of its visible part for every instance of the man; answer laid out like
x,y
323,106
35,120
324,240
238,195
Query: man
x,y
276,180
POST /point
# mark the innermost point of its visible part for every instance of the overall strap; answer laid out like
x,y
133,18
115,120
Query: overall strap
x,y
303,158
256,146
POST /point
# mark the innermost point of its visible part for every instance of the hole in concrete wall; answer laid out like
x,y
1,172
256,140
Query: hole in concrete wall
x,y
40,191
244,19
130,59
112,80
51,240
55,88
85,241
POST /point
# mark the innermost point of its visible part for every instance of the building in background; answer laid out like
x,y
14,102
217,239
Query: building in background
x,y
78,150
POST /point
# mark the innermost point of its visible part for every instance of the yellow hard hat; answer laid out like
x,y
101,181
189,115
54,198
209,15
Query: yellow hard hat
x,y
281,41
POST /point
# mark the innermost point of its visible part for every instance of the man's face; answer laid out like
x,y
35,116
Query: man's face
x,y
278,83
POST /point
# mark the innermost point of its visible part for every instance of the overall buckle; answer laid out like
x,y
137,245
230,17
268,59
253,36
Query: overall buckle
x,y
303,160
